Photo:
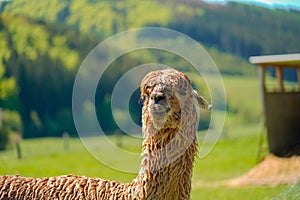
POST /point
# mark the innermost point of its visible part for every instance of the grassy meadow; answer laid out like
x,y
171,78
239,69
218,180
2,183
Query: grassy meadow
x,y
231,157
234,154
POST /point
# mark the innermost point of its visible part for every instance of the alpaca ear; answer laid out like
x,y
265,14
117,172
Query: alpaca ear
x,y
202,103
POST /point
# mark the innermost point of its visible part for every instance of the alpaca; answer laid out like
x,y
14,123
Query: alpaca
x,y
170,119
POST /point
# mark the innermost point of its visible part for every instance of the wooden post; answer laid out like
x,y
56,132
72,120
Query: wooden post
x,y
18,150
279,76
66,138
118,136
262,76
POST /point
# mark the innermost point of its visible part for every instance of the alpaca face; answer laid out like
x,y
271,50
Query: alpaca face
x,y
160,106
165,92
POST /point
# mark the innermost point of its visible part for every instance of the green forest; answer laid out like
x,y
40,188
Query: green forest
x,y
43,43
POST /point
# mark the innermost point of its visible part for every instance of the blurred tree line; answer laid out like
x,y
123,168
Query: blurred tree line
x,y
43,43
39,63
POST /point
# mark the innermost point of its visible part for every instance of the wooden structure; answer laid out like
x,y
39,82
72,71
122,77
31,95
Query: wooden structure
x,y
281,105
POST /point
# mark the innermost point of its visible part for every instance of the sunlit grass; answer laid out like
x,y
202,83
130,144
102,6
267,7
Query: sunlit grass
x,y
231,157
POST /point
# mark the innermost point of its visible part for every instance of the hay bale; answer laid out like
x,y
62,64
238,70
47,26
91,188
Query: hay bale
x,y
272,171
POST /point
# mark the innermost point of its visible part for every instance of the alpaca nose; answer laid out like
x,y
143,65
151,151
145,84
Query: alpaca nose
x,y
157,98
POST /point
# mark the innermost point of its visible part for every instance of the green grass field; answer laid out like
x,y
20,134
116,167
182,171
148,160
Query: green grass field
x,y
231,157
234,154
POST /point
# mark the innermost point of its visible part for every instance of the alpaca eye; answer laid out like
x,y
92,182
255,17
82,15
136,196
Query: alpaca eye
x,y
159,98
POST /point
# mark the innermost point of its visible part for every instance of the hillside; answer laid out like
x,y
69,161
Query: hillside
x,y
237,28
243,29
43,44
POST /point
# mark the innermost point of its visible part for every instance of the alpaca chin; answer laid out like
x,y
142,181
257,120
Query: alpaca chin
x,y
158,123
158,115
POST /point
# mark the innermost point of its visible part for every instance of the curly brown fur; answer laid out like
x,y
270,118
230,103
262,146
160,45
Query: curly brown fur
x,y
170,119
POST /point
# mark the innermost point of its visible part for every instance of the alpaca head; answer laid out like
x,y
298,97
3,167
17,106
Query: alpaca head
x,y
167,93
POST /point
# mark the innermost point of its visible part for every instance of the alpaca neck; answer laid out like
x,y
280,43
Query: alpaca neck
x,y
167,164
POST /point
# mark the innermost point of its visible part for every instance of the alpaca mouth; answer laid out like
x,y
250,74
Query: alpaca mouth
x,y
159,111
159,114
